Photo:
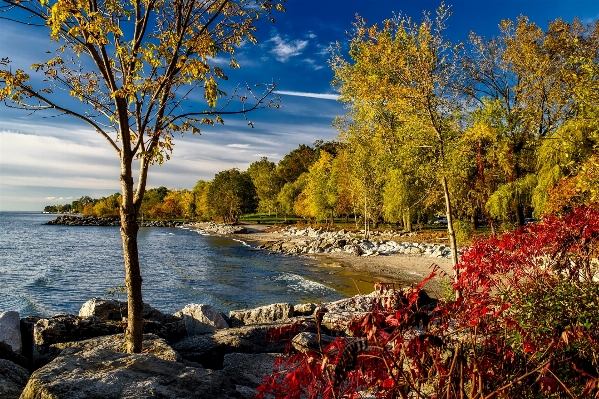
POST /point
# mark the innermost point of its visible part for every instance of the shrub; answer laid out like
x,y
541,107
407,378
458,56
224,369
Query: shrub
x,y
526,326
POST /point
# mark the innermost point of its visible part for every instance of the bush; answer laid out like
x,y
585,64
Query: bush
x,y
526,326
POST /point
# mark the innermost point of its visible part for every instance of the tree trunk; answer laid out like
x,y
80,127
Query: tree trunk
x,y
133,280
451,233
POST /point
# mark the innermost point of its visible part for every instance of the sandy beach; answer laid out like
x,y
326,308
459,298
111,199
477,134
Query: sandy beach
x,y
398,268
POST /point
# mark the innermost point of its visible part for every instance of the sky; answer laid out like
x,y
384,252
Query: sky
x,y
55,160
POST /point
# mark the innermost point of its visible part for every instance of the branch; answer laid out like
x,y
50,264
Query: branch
x,y
51,104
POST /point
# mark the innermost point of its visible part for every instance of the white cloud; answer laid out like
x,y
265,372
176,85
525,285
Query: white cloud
x,y
313,64
285,48
311,95
238,145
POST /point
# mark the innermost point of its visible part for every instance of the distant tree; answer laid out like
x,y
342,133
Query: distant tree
x,y
132,66
295,163
266,180
201,195
230,194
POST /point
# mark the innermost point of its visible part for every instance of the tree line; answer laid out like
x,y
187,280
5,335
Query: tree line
x,y
495,129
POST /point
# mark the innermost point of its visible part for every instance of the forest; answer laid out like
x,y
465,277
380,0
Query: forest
x,y
502,129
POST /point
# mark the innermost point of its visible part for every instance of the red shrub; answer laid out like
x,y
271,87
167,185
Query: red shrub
x,y
526,326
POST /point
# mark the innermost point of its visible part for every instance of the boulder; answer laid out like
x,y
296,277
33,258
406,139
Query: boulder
x,y
65,327
116,343
306,341
105,309
261,315
201,319
27,327
304,309
210,349
10,330
102,373
7,353
248,369
13,379
169,327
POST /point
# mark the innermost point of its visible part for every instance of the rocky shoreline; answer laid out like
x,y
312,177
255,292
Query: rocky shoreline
x,y
197,352
82,220
296,241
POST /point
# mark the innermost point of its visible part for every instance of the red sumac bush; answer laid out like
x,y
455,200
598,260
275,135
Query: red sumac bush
x,y
526,326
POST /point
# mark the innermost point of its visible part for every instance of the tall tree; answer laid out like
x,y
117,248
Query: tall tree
x,y
415,73
266,180
230,194
132,65
295,163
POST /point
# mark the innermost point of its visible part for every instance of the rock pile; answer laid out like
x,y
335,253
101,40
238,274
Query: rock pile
x,y
311,241
221,229
81,220
196,353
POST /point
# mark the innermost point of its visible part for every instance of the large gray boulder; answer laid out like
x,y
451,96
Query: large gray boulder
x,y
201,319
167,326
10,330
210,349
105,309
246,371
102,373
116,343
13,379
65,327
261,315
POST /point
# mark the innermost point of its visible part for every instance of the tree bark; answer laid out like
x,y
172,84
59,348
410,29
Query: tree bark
x,y
451,233
133,280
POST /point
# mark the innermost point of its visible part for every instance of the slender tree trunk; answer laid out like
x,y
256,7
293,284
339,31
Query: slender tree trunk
x,y
133,280
451,232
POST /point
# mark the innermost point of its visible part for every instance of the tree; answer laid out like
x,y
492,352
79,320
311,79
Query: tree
x,y
416,77
320,192
230,194
266,180
132,66
201,194
295,163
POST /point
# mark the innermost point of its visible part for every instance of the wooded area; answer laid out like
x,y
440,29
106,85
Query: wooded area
x,y
509,123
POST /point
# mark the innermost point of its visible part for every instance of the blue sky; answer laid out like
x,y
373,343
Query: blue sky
x,y
47,161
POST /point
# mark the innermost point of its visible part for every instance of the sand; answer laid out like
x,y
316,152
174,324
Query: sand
x,y
398,268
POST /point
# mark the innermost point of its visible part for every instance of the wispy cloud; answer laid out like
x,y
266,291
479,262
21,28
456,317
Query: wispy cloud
x,y
313,64
285,48
311,95
238,145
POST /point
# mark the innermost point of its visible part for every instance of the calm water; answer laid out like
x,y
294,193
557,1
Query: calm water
x,y
47,269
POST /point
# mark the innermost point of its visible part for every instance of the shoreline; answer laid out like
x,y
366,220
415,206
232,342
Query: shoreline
x,y
403,269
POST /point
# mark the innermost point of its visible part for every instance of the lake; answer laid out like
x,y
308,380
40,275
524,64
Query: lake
x,y
46,269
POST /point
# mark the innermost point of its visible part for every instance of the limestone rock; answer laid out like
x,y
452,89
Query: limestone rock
x,y
116,343
13,379
306,341
304,309
10,330
105,309
65,327
210,349
249,369
102,373
7,353
201,319
261,315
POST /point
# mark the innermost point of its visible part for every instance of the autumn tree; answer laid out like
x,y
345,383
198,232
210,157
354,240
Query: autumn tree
x,y
410,72
230,194
266,180
132,65
295,163
200,195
